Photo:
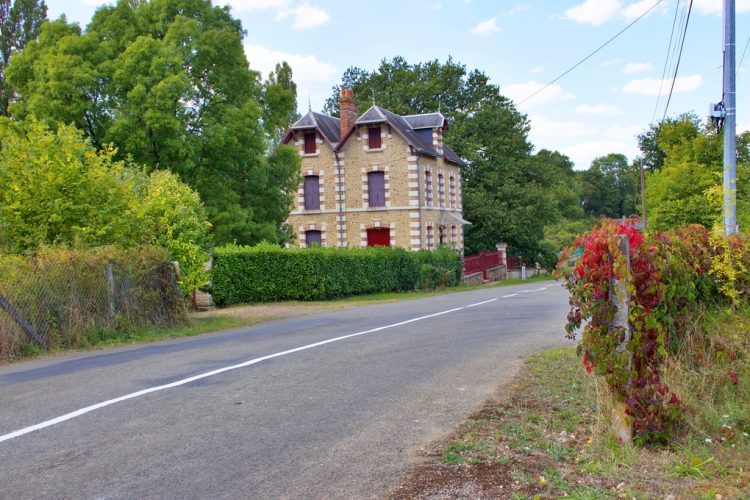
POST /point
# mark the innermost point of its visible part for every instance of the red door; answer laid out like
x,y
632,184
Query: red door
x,y
379,237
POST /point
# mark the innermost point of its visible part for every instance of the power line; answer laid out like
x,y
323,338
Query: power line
x,y
679,58
666,59
743,54
591,54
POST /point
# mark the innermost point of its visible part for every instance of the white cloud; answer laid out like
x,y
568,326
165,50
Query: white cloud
x,y
652,86
583,153
307,69
598,12
545,130
598,110
743,127
716,6
594,12
520,91
634,67
517,9
537,69
309,16
485,28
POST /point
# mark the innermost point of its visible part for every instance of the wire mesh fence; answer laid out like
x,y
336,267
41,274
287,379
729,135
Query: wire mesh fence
x,y
65,298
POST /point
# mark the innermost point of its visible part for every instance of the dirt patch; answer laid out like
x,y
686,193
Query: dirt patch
x,y
275,311
543,439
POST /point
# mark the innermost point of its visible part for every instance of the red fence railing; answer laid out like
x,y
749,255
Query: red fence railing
x,y
482,262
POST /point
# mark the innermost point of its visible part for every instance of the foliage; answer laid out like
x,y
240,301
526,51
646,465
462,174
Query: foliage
x,y
19,22
687,187
267,272
167,82
610,187
509,195
668,275
58,190
67,298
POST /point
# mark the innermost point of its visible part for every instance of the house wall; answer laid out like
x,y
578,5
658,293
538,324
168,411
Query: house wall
x,y
345,214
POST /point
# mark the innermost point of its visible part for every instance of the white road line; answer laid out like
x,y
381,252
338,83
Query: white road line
x,y
132,395
480,303
508,296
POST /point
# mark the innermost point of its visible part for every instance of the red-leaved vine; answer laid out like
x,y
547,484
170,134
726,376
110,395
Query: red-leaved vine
x,y
667,276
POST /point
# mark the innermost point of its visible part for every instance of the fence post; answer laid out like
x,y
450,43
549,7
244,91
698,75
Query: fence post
x,y
25,325
111,292
622,423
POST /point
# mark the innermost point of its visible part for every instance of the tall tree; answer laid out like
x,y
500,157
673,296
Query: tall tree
x,y
507,195
167,82
610,187
19,22
279,102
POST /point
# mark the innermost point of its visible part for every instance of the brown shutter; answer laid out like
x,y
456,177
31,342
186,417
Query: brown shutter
x,y
376,189
312,192
310,146
373,137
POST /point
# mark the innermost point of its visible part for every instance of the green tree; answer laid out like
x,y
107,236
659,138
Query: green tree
x,y
57,189
19,22
688,188
509,195
167,82
279,102
610,187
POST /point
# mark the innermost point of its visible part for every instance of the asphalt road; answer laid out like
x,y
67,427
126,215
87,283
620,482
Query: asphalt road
x,y
326,406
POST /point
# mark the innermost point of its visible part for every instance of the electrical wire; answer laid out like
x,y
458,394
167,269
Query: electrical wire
x,y
666,59
743,55
679,58
591,54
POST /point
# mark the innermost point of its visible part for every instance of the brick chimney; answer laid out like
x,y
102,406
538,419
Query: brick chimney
x,y
347,110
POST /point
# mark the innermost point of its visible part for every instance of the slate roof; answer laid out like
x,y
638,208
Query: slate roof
x,y
428,120
405,126
328,126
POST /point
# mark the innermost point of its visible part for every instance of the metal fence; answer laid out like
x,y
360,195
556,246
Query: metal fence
x,y
65,298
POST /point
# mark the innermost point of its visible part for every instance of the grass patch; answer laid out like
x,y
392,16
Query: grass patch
x,y
548,439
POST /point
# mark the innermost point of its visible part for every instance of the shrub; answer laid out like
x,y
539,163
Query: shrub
x,y
269,273
669,275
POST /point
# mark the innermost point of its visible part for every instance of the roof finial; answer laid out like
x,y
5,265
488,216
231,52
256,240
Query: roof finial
x,y
440,104
373,96
309,104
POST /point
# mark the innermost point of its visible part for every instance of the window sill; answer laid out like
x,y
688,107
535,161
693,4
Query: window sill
x,y
310,155
376,150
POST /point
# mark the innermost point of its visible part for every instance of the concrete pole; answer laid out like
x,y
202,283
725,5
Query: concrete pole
x,y
730,122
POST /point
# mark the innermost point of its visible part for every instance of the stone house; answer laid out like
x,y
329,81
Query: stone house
x,y
376,179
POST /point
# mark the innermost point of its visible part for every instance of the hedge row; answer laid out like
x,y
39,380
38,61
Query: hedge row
x,y
267,273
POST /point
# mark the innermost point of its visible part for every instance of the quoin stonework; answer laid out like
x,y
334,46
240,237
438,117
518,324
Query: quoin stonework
x,y
376,179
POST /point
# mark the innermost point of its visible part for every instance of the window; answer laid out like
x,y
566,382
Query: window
x,y
441,235
441,191
453,192
373,138
310,146
429,237
376,189
312,237
312,192
379,237
428,189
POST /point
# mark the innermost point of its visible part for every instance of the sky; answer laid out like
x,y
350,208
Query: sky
x,y
596,109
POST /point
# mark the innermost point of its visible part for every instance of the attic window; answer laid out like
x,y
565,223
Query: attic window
x,y
373,138
310,146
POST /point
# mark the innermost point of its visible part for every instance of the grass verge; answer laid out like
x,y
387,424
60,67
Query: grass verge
x,y
248,315
548,438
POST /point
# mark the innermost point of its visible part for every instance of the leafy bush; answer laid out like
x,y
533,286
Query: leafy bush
x,y
269,273
57,189
668,276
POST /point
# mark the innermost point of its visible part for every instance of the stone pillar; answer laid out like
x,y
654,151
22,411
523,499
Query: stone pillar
x,y
502,247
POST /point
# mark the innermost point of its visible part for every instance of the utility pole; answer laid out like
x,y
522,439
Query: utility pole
x,y
643,194
730,122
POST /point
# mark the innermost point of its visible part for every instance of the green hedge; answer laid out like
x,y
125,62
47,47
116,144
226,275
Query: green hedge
x,y
266,273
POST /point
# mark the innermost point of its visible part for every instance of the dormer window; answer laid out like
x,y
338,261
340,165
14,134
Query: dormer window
x,y
310,145
373,138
